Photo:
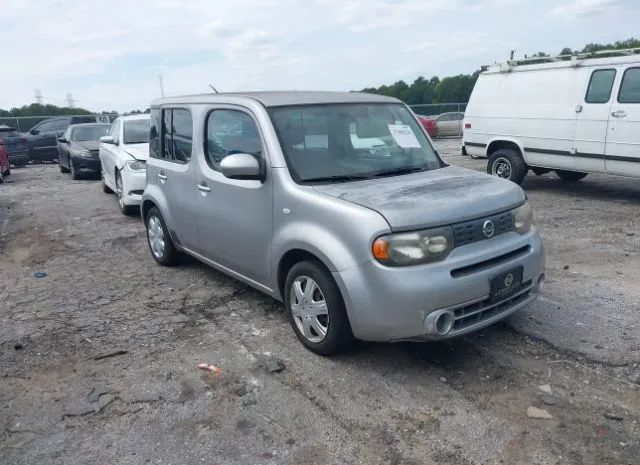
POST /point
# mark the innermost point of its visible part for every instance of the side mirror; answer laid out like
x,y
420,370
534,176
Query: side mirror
x,y
34,132
241,166
107,140
62,140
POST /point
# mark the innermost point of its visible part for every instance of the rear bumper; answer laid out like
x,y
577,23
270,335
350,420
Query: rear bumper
x,y
392,304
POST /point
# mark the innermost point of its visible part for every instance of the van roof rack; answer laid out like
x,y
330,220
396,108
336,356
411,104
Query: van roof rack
x,y
571,57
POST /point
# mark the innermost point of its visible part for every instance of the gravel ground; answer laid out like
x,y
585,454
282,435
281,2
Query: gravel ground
x,y
98,358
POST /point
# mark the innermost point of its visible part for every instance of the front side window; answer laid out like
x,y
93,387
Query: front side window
x,y
600,86
61,124
45,127
348,142
177,134
87,133
136,131
630,87
229,132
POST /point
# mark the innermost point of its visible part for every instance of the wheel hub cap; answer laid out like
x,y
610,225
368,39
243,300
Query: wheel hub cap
x,y
155,233
309,309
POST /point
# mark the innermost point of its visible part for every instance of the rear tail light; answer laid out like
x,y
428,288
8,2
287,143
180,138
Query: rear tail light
x,y
467,125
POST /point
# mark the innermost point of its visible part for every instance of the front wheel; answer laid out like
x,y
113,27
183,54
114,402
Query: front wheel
x,y
74,174
316,309
161,246
124,208
507,164
106,189
571,176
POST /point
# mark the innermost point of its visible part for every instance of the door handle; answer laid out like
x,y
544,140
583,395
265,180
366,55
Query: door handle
x,y
204,188
619,114
162,176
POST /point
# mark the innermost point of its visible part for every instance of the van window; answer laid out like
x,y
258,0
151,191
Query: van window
x,y
154,134
630,87
229,132
177,134
600,85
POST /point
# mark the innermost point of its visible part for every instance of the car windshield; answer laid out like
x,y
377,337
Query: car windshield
x,y
348,142
136,131
89,132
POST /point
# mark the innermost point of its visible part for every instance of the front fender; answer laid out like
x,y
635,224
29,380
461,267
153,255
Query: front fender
x,y
503,139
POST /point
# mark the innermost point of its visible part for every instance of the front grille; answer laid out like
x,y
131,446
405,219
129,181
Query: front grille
x,y
471,231
477,312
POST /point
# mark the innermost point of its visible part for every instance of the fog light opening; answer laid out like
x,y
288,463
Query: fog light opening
x,y
444,323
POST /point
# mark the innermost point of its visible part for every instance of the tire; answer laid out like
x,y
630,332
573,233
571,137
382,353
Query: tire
x,y
7,173
333,320
62,168
125,209
106,189
164,252
571,176
507,164
74,175
1,176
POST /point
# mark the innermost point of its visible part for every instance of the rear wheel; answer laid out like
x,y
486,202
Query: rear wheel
x,y
571,176
159,240
62,168
316,309
507,164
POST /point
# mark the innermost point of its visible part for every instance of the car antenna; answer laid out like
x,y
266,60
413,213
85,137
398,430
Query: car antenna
x,y
215,91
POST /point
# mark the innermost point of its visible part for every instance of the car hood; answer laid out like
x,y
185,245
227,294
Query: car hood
x,y
86,144
137,151
431,198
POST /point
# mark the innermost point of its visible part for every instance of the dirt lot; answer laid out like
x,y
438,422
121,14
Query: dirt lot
x,y
98,358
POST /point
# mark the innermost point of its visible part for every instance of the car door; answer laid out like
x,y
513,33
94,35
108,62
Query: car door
x,y
172,172
592,117
235,216
623,138
109,154
42,141
63,149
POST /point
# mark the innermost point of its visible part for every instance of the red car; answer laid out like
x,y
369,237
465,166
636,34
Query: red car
x,y
4,162
429,124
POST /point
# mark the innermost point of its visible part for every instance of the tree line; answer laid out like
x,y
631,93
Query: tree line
x,y
457,89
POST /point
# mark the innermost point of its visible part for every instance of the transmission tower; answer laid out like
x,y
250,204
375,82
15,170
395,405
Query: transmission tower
x,y
37,96
70,101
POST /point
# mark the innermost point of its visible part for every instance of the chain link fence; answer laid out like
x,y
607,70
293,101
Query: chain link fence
x,y
34,139
443,119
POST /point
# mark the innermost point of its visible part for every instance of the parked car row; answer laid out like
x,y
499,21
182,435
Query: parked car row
x,y
444,125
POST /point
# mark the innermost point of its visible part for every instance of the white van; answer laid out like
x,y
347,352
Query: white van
x,y
573,115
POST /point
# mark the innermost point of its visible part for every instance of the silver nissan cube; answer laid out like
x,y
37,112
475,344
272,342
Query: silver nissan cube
x,y
338,205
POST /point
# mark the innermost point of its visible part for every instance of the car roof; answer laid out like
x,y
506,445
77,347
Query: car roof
x,y
82,125
7,128
279,98
134,117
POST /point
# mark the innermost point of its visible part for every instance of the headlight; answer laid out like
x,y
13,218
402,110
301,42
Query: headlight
x,y
523,218
136,165
83,153
414,248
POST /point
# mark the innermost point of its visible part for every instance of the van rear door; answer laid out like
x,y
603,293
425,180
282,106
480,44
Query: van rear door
x,y
623,139
592,119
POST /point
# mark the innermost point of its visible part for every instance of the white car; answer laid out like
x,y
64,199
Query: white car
x,y
123,155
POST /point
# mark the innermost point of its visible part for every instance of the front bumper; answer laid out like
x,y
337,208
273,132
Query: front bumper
x,y
392,304
86,165
133,183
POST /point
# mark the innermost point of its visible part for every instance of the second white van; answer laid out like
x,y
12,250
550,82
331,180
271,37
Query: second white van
x,y
572,115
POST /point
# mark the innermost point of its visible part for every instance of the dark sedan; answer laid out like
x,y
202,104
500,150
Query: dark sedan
x,y
78,149
16,146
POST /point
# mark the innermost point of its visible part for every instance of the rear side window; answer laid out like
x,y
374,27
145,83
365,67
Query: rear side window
x,y
600,85
154,134
630,87
177,134
229,132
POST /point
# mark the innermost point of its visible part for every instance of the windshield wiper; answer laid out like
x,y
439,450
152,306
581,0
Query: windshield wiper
x,y
336,178
395,171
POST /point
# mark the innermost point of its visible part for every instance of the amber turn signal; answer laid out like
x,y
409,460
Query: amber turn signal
x,y
381,249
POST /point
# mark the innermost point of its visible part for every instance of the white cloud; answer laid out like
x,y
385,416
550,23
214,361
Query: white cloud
x,y
583,7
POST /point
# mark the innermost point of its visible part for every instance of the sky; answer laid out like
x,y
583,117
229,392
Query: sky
x,y
109,54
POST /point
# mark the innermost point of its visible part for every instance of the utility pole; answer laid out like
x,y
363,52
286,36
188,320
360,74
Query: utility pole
x,y
70,101
37,96
161,86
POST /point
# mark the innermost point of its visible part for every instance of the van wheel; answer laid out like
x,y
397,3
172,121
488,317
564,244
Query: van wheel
x,y
507,164
571,176
162,249
316,310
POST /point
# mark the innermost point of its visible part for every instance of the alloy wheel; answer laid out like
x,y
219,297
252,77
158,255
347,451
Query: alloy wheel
x,y
119,190
309,309
501,168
